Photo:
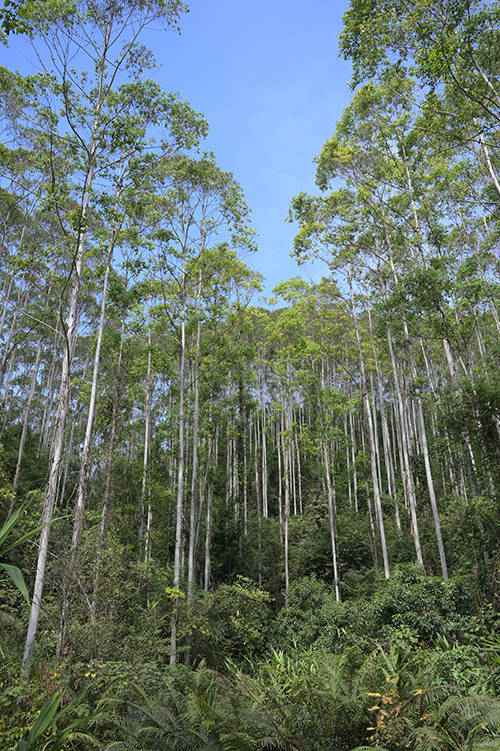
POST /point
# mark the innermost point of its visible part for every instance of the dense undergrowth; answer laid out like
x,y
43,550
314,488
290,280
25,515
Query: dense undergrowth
x,y
413,662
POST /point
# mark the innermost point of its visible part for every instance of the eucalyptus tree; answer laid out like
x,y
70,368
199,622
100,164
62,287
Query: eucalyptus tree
x,y
27,264
141,106
94,63
311,336
116,405
194,204
453,48
383,218
222,393
332,225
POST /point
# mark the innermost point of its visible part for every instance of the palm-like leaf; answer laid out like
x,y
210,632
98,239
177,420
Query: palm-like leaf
x,y
44,720
467,723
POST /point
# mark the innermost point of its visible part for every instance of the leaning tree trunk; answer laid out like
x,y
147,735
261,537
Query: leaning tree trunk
x,y
83,478
70,332
60,424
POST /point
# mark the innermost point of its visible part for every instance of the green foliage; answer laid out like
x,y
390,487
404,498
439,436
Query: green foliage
x,y
59,726
11,18
352,417
236,623
427,606
7,545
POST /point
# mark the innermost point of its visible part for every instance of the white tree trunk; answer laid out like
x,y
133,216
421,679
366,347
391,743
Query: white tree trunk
x,y
27,409
179,513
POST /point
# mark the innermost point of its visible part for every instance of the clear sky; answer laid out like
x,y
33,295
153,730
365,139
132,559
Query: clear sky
x,y
268,77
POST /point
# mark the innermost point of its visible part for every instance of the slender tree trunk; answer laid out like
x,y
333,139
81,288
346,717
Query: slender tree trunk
x,y
43,440
194,467
286,515
61,415
50,497
432,493
179,516
468,444
348,463
27,409
372,441
299,473
405,444
279,442
292,469
75,429
264,477
106,501
208,536
5,305
83,478
145,506
353,461
245,485
489,164
332,515
208,528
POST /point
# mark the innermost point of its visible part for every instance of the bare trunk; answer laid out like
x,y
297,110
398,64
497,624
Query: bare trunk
x,y
194,468
353,462
265,502
27,409
5,306
60,423
432,493
75,428
405,452
106,501
299,473
50,394
83,478
286,515
179,516
489,164
208,517
279,432
208,537
373,448
332,514
145,504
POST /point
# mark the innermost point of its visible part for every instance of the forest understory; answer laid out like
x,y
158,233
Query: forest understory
x,y
235,525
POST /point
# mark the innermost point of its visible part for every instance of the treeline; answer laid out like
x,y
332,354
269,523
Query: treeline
x,y
209,480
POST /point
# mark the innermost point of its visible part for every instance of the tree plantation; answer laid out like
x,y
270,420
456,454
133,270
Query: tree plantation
x,y
229,523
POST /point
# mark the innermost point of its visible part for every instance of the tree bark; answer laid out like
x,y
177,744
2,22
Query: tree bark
x,y
70,331
179,514
27,409
83,478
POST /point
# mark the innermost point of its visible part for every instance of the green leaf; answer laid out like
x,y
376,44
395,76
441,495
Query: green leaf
x,y
28,535
17,577
42,723
7,526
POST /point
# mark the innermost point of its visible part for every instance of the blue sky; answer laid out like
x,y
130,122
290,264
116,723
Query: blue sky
x,y
268,77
